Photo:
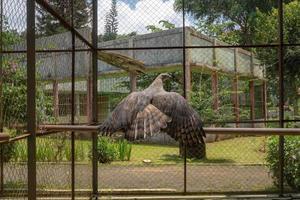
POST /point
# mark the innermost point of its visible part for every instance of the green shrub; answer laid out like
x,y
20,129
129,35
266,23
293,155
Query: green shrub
x,y
291,162
106,150
9,149
124,150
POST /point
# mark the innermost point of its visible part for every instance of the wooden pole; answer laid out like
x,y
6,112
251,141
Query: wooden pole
x,y
133,82
264,100
214,89
235,100
252,101
89,99
187,66
56,99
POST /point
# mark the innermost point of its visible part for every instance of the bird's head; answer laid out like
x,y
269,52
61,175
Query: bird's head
x,y
164,76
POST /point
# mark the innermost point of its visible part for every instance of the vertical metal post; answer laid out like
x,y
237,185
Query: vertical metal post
x,y
95,95
1,170
185,93
1,100
31,102
281,96
1,67
73,106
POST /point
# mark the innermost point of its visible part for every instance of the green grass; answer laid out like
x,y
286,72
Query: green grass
x,y
240,150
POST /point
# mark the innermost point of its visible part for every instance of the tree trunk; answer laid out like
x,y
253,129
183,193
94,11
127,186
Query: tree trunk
x,y
196,151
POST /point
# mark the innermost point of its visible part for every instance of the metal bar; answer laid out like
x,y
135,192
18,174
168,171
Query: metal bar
x,y
281,96
1,67
236,131
73,105
249,121
184,92
95,97
207,122
75,128
254,131
31,102
48,51
48,8
260,131
1,170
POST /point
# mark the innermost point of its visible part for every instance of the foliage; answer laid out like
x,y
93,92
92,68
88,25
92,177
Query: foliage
x,y
48,25
124,150
266,31
291,162
15,95
111,23
106,150
232,19
166,25
13,87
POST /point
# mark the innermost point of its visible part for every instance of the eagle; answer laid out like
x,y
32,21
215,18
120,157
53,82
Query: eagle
x,y
155,110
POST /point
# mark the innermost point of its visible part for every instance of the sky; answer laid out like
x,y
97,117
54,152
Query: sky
x,y
135,15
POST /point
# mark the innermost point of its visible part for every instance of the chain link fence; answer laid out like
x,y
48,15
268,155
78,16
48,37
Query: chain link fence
x,y
227,84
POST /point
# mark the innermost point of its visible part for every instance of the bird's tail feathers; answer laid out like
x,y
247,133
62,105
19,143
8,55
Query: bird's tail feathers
x,y
147,123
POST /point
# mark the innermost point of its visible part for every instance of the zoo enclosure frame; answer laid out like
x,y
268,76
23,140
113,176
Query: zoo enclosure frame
x,y
92,47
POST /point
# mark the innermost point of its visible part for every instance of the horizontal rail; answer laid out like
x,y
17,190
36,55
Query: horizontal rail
x,y
70,127
240,131
254,131
52,129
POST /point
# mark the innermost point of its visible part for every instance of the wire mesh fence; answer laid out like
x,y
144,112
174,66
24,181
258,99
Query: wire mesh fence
x,y
229,86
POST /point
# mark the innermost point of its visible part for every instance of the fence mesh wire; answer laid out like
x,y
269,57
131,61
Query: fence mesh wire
x,y
232,163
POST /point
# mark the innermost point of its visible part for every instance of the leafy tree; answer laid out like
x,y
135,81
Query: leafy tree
x,y
266,31
13,86
111,22
153,28
230,19
165,24
48,25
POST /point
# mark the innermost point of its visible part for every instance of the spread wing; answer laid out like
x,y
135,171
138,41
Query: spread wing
x,y
124,114
186,125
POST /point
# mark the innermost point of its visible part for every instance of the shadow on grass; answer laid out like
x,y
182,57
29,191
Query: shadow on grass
x,y
177,159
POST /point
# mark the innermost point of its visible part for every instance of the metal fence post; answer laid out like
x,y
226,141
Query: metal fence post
x,y
1,170
31,102
95,95
185,92
281,96
73,105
